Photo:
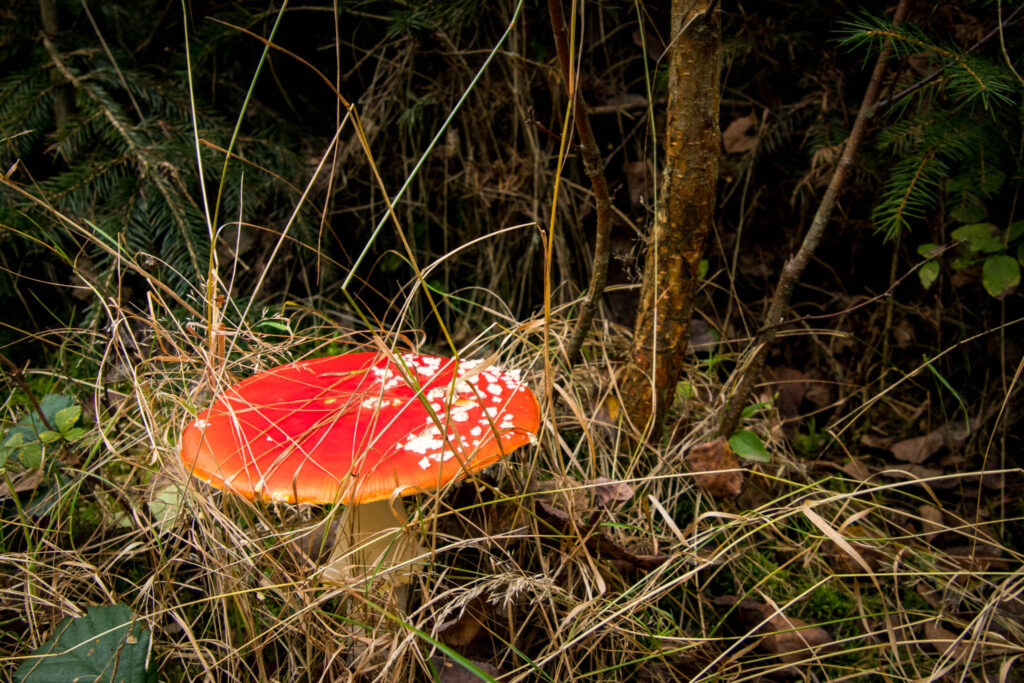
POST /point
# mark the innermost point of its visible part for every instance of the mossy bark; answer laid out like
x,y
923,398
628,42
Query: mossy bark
x,y
683,218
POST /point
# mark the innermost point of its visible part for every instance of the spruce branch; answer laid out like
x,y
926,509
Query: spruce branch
x,y
593,166
795,266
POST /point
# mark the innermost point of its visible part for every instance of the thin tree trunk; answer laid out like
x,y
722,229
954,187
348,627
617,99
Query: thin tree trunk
x,y
593,166
683,219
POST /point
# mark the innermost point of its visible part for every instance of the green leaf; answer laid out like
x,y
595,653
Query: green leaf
x,y
684,390
1020,254
1000,274
702,268
105,645
74,434
31,425
928,273
754,409
9,447
47,436
67,417
31,455
928,249
165,506
979,236
1015,230
969,210
749,446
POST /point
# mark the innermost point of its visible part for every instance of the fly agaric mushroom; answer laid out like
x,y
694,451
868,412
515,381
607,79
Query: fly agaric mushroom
x,y
359,429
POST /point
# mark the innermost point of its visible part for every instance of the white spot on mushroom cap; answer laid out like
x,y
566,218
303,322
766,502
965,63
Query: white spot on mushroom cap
x,y
201,424
425,442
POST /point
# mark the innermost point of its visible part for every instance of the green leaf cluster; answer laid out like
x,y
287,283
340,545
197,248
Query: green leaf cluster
x,y
27,439
1000,253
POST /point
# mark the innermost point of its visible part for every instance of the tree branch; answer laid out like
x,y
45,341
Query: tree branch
x,y
593,166
795,266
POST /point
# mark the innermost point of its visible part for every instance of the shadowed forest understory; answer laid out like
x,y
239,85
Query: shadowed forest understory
x,y
749,273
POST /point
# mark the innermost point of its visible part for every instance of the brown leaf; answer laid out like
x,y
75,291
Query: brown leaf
x,y
597,542
28,480
920,448
735,139
450,671
882,443
856,469
608,491
461,630
942,640
791,385
716,468
931,521
788,637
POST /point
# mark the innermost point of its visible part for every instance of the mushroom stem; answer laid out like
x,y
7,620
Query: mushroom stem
x,y
374,547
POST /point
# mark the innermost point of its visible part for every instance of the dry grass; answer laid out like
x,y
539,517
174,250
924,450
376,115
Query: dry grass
x,y
529,576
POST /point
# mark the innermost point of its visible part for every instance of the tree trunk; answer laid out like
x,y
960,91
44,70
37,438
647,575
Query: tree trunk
x,y
683,218
62,102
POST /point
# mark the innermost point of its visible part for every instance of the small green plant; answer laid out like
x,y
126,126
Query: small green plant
x,y
1000,253
54,425
747,444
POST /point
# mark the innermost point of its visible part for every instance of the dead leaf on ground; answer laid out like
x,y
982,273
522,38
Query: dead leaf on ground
x,y
920,448
791,386
461,630
28,480
792,639
717,468
931,521
450,671
882,443
735,138
608,491
597,543
942,640
856,469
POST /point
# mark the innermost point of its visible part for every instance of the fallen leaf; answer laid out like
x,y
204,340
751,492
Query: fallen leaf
x,y
791,386
717,468
608,491
792,639
450,671
597,542
856,469
931,521
882,443
920,448
942,640
735,139
27,480
462,629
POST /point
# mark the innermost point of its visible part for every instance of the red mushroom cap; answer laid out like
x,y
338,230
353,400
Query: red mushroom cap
x,y
357,427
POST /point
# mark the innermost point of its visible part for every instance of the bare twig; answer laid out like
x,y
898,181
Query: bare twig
x,y
593,166
795,266
19,379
